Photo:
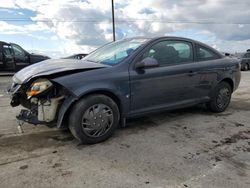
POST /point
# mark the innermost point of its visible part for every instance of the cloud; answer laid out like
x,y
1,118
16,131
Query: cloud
x,y
11,29
7,4
87,24
73,23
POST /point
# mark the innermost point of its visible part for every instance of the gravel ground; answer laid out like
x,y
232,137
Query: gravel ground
x,y
185,148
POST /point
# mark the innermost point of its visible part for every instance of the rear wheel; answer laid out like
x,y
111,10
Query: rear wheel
x,y
94,119
221,97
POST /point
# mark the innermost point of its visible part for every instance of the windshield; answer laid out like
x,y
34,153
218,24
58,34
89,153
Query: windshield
x,y
113,53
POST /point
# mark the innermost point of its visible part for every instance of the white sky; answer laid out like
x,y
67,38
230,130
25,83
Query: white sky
x,y
64,27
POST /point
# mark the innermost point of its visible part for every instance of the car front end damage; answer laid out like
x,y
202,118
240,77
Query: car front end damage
x,y
41,98
45,100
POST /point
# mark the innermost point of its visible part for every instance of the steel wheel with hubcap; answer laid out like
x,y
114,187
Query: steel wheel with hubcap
x,y
94,119
221,97
97,120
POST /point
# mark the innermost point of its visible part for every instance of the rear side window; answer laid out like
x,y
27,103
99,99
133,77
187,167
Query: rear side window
x,y
204,54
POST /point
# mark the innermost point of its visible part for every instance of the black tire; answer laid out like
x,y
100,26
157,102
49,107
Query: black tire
x,y
245,67
220,98
89,126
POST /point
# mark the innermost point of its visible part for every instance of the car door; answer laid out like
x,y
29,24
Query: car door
x,y
8,57
170,84
21,57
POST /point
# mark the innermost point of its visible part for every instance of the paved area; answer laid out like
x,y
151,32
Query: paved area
x,y
184,148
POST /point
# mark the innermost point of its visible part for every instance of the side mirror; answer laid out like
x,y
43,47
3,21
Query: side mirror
x,y
147,62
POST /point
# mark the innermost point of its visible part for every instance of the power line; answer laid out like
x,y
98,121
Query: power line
x,y
91,20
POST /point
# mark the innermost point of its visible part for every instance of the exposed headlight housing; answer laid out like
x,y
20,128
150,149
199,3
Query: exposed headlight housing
x,y
38,86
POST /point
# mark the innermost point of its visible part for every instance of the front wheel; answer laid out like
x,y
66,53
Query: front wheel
x,y
221,97
94,119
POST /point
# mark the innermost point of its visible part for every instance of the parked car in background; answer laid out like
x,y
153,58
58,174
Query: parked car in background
x,y
245,61
76,56
13,57
229,54
124,79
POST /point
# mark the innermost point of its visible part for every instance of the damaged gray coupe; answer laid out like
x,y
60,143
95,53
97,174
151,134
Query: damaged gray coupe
x,y
123,79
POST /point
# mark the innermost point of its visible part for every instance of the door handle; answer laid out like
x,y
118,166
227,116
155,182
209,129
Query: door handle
x,y
192,73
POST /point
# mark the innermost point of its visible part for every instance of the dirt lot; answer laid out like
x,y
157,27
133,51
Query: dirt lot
x,y
184,148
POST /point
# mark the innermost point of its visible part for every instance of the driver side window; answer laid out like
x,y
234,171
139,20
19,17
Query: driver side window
x,y
7,50
18,51
170,52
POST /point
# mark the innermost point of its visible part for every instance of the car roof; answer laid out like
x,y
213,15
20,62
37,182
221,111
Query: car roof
x,y
8,43
177,38
2,42
169,37
151,39
161,37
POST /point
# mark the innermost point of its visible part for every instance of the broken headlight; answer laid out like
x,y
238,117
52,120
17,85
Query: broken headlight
x,y
38,86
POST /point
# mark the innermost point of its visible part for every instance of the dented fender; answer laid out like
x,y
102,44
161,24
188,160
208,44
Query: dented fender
x,y
64,109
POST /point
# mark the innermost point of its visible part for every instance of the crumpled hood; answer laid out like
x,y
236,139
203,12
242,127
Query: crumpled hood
x,y
52,66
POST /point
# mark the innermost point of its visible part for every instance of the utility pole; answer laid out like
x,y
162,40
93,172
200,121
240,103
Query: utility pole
x,y
113,19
